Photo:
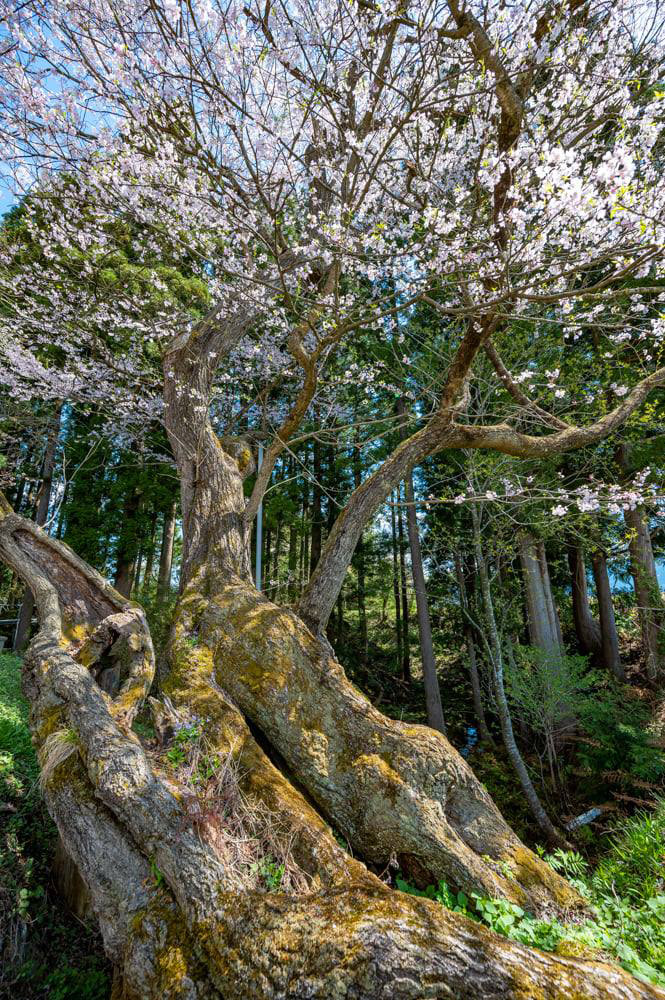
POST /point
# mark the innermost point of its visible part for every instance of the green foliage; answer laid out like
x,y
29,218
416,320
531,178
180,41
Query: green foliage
x,y
157,874
270,872
625,895
544,685
635,864
185,737
86,982
60,958
613,726
441,893
618,727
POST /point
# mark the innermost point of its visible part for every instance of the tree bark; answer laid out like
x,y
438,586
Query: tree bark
x,y
397,595
150,556
127,545
543,631
586,628
404,593
166,553
279,536
478,706
292,560
647,590
555,624
608,629
435,717
317,513
360,563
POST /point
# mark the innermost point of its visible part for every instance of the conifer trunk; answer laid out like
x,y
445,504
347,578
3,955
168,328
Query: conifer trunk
x,y
166,552
44,499
397,596
127,545
608,629
360,566
647,590
478,706
435,717
586,628
404,593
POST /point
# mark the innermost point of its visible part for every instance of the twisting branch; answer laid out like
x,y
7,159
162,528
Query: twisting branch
x,y
78,605
521,397
321,593
503,438
309,365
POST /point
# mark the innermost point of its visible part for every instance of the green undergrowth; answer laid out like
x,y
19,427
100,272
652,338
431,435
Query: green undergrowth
x,y
625,894
44,952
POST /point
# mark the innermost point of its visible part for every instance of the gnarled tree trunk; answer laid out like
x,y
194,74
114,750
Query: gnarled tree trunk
x,y
178,917
174,920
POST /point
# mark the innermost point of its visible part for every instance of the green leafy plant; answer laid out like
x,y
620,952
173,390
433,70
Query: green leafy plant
x,y
440,893
184,739
625,896
157,875
618,731
635,865
270,872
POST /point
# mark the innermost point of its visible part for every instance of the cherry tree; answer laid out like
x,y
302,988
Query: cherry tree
x,y
322,168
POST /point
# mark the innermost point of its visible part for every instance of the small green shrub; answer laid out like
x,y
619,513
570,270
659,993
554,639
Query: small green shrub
x,y
618,727
185,738
441,893
270,872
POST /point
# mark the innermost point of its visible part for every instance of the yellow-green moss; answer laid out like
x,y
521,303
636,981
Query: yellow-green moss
x,y
530,871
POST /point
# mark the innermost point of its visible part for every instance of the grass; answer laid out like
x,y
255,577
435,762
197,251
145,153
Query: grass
x,y
45,953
